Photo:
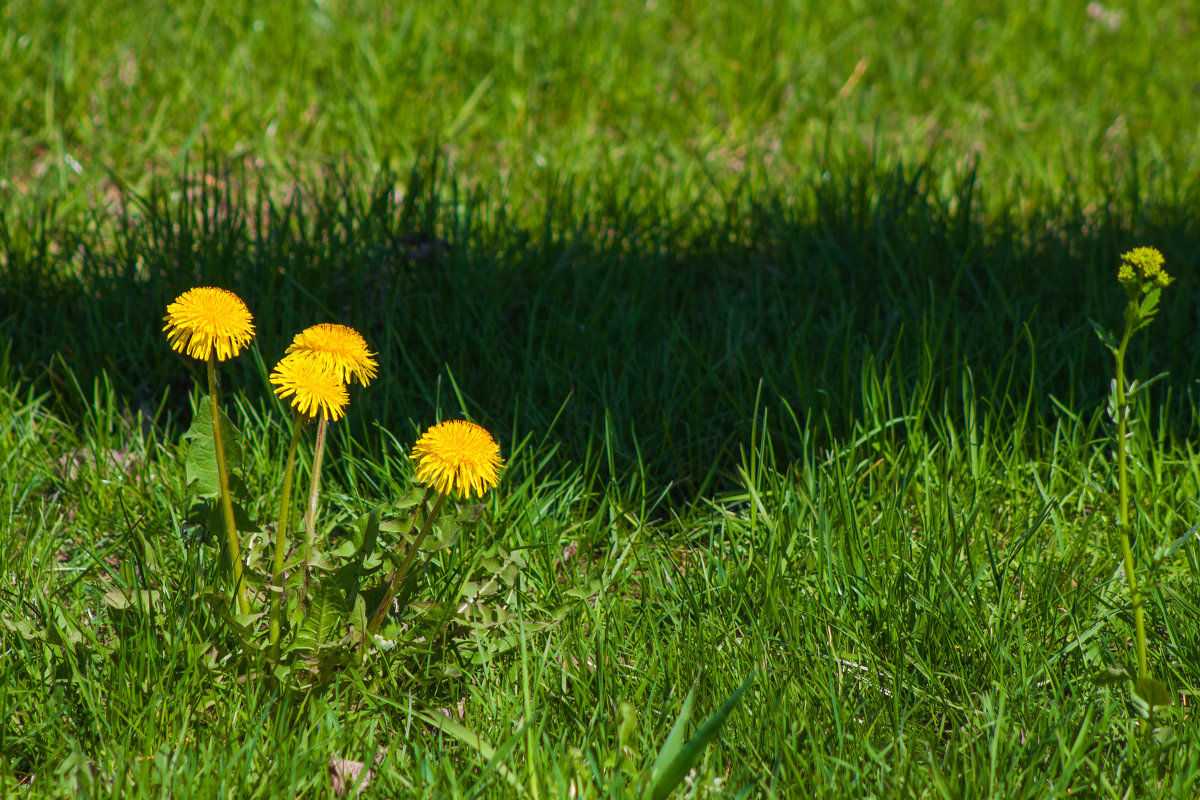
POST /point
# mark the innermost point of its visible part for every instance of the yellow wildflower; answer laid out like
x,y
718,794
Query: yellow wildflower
x,y
208,319
458,455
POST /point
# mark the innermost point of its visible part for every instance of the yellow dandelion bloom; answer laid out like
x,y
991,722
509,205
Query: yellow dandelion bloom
x,y
341,348
205,319
458,455
314,389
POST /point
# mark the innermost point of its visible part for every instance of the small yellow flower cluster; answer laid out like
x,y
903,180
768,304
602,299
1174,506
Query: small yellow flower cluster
x,y
1144,265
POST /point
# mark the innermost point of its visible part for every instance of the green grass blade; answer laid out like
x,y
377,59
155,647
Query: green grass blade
x,y
676,758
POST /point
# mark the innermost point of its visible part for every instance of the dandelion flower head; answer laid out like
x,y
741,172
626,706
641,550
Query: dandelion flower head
x,y
207,319
340,348
458,455
1143,265
314,388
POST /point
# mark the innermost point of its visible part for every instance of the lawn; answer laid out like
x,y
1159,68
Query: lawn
x,y
783,319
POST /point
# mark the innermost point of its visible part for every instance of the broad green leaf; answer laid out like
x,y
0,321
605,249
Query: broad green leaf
x,y
411,499
357,621
1147,308
200,466
1153,692
125,599
1166,736
585,592
444,537
216,521
360,534
346,549
469,513
23,628
354,577
64,630
1104,336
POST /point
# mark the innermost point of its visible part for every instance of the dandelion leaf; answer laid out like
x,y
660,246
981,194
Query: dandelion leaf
x,y
326,618
200,468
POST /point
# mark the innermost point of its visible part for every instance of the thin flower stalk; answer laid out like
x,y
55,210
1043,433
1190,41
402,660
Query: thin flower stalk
x,y
231,534
314,491
452,457
1126,533
212,324
281,530
315,389
1143,277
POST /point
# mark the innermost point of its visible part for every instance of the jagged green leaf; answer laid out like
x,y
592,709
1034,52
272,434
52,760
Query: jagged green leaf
x,y
350,577
325,620
1117,673
23,628
200,466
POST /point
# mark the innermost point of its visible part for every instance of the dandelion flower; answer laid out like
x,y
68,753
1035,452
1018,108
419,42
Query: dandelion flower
x,y
458,455
341,348
314,388
205,319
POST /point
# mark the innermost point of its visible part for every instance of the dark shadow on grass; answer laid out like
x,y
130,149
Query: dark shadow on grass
x,y
616,323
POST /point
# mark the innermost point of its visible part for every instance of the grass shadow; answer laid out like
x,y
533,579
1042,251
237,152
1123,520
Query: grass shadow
x,y
622,331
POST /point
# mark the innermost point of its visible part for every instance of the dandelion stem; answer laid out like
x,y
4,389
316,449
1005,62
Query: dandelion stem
x,y
235,554
281,539
402,570
310,516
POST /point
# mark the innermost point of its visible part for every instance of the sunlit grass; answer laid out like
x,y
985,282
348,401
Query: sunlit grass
x,y
1049,96
926,600
779,316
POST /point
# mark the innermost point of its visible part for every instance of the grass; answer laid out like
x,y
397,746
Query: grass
x,y
833,419
1049,96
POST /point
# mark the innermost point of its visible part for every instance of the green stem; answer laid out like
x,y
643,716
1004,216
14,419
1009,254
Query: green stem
x,y
530,737
310,516
281,540
1135,598
235,551
402,570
